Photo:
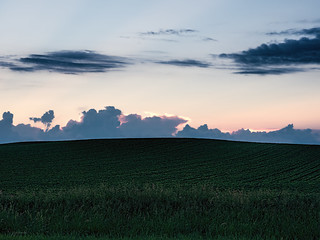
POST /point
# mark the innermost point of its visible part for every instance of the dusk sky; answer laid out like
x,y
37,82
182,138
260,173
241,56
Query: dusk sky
x,y
226,63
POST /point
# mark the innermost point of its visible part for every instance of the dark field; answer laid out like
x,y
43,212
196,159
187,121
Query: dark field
x,y
159,188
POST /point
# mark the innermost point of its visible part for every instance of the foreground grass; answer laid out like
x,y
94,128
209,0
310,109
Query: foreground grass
x,y
72,237
192,237
135,211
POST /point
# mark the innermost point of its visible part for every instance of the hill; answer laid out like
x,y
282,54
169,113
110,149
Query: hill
x,y
166,161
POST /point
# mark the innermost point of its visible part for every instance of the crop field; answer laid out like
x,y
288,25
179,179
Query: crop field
x,y
158,189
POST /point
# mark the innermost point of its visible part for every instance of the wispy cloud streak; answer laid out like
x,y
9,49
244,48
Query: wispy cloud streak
x,y
186,63
177,32
69,62
308,31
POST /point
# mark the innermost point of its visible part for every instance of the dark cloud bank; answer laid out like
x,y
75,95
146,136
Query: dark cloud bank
x,y
278,58
112,123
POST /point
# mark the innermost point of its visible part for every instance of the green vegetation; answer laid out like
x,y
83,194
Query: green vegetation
x,y
159,189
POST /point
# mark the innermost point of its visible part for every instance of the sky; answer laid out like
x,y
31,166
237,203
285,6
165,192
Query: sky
x,y
223,64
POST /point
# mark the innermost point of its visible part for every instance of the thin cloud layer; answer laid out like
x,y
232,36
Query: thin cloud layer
x,y
110,122
307,31
172,35
166,32
70,62
279,58
268,70
186,63
209,39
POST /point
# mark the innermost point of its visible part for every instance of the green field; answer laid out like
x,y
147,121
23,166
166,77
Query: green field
x,y
159,188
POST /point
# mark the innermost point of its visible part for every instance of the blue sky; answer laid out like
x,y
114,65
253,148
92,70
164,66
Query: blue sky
x,y
163,58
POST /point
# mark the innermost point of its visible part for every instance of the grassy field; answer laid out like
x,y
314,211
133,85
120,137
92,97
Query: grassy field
x,y
158,189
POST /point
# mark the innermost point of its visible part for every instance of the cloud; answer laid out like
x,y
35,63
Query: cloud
x,y
300,51
20,132
95,124
7,64
150,37
209,39
186,63
7,119
110,122
70,62
25,132
46,118
160,39
166,32
307,31
268,70
315,20
106,123
203,132
6,127
157,126
285,135
278,58
167,35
